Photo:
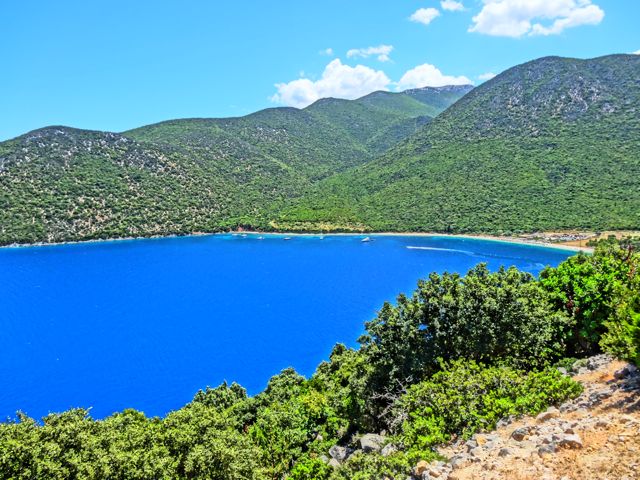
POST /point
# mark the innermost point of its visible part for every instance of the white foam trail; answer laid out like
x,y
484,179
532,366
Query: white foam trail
x,y
466,252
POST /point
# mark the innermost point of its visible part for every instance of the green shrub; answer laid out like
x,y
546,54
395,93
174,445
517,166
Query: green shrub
x,y
466,397
589,288
373,466
310,469
487,317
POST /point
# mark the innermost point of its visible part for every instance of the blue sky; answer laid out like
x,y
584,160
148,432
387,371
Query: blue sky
x,y
121,64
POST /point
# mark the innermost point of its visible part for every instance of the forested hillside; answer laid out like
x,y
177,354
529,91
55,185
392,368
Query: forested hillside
x,y
550,144
547,145
195,175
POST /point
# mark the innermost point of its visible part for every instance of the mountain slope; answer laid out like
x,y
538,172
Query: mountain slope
x,y
59,184
185,176
550,144
381,119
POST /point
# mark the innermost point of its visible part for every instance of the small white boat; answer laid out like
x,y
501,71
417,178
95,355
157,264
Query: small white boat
x,y
366,239
321,237
244,235
287,238
261,238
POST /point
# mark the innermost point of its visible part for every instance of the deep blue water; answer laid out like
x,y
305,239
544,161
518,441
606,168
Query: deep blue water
x,y
146,323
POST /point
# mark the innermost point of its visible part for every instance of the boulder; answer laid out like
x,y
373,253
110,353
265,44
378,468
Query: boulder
x,y
371,442
420,468
334,463
477,452
504,452
547,449
570,441
551,412
339,453
459,461
519,433
435,471
626,371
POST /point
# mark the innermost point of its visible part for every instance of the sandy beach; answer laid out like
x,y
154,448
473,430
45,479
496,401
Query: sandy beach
x,y
540,239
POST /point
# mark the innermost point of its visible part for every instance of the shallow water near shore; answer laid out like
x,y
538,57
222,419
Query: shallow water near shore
x,y
146,323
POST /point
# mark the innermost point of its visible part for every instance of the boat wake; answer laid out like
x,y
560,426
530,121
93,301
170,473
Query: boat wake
x,y
453,250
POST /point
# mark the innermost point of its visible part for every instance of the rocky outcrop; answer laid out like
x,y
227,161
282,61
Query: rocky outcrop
x,y
371,442
595,436
367,443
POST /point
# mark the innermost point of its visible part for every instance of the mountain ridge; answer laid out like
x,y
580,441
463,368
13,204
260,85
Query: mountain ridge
x,y
181,176
550,144
521,152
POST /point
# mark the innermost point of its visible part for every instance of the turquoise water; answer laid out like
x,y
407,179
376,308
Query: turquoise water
x,y
146,323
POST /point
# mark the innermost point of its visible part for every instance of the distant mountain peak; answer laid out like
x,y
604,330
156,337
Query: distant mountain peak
x,y
445,88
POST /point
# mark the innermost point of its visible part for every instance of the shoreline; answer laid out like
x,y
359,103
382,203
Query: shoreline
x,y
468,236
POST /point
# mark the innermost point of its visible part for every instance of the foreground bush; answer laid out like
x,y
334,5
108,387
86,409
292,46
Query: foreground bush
x,y
466,397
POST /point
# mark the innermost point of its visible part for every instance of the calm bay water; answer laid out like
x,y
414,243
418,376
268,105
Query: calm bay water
x,y
146,323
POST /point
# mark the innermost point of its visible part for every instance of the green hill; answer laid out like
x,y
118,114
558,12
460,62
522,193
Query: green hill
x,y
195,175
550,144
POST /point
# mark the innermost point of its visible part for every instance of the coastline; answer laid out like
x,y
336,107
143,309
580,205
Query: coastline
x,y
470,236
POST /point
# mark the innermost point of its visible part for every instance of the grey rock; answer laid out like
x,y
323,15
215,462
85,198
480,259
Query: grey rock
x,y
388,450
324,459
547,449
371,442
597,397
578,364
476,452
570,441
459,461
519,433
505,452
339,453
334,463
551,412
626,371
598,361
435,471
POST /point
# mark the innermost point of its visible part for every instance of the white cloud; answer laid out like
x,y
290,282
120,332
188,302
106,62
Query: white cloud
x,y
427,75
424,15
486,76
452,5
637,52
338,80
516,18
381,51
327,51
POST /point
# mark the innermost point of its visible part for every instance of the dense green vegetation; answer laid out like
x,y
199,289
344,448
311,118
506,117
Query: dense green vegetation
x,y
551,144
196,175
548,145
454,358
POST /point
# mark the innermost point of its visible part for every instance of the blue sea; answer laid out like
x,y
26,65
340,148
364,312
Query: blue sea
x,y
146,323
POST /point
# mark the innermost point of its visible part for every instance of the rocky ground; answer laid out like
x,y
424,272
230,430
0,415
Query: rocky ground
x,y
596,436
